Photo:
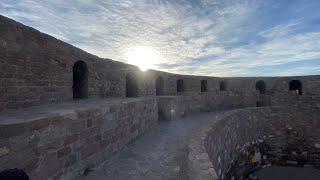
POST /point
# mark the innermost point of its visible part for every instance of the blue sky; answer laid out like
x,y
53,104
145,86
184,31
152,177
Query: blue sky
x,y
200,37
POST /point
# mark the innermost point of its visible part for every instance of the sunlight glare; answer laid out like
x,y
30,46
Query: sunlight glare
x,y
142,56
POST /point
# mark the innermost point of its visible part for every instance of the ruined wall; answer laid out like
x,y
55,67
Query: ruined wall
x,y
280,135
63,141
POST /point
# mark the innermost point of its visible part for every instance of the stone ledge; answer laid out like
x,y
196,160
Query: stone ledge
x,y
61,141
199,165
36,113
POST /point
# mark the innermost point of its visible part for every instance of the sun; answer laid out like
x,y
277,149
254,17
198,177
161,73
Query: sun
x,y
144,57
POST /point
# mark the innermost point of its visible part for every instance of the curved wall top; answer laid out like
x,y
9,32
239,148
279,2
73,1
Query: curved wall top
x,y
38,69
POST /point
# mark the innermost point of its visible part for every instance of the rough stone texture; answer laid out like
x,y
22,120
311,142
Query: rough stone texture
x,y
288,131
292,173
199,163
160,154
36,69
61,141
174,107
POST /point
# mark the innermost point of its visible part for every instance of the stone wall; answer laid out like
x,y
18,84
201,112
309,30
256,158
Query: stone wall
x,y
66,140
36,69
174,107
289,136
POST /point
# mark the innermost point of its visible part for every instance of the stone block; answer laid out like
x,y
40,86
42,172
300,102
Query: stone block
x,y
70,160
7,131
70,139
63,152
50,165
89,150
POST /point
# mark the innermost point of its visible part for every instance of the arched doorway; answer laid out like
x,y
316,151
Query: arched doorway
x,y
261,87
80,80
295,85
159,86
180,85
131,86
204,87
222,86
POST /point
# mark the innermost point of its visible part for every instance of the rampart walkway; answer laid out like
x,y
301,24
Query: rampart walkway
x,y
159,154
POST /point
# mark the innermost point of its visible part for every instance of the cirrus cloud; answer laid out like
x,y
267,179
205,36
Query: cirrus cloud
x,y
201,37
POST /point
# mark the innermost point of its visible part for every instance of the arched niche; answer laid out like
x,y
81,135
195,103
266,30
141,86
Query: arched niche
x,y
131,86
80,80
223,86
295,85
204,86
180,85
261,86
159,86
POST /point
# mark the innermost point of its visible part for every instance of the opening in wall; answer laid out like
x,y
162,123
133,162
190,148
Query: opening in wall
x,y
80,80
159,86
14,174
204,86
222,86
261,87
131,86
180,85
295,85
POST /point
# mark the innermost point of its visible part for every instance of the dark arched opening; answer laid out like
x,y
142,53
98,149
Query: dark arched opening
x,y
261,87
159,86
131,86
80,80
222,86
180,85
13,174
295,85
204,87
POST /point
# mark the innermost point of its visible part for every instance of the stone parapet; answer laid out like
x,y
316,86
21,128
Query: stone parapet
x,y
65,140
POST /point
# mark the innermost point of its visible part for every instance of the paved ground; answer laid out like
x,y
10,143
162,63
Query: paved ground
x,y
288,173
159,154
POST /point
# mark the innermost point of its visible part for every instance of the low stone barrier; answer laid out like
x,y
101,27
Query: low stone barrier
x,y
66,140
244,140
175,107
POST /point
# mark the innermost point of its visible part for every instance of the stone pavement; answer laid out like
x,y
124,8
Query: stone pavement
x,y
159,154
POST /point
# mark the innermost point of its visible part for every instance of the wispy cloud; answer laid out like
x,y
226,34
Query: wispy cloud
x,y
203,37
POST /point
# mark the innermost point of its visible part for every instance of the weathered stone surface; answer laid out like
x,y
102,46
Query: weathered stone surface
x,y
64,145
280,136
36,69
61,140
63,152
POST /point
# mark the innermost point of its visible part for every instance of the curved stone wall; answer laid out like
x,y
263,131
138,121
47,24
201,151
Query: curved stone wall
x,y
37,69
247,139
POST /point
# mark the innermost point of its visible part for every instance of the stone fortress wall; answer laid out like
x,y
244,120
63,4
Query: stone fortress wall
x,y
39,75
37,69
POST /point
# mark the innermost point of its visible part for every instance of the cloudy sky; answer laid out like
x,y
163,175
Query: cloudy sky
x,y
201,37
